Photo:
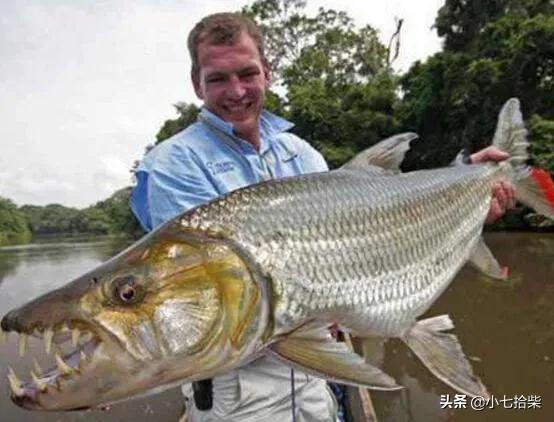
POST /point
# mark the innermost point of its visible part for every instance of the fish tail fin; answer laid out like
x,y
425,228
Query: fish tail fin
x,y
511,136
534,186
536,190
442,354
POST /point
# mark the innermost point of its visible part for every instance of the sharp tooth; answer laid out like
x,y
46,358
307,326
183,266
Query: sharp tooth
x,y
82,361
22,344
15,384
37,367
64,327
48,334
40,384
3,336
75,334
63,367
87,336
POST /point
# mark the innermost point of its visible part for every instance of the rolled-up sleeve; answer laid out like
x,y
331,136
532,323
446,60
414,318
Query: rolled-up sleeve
x,y
169,183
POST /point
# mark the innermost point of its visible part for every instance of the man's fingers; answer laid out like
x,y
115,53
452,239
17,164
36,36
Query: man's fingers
x,y
510,193
495,211
499,193
491,153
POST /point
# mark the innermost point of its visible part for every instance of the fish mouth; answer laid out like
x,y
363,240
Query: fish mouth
x,y
72,347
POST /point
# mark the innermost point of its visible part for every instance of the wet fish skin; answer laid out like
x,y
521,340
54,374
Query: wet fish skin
x,y
268,268
372,252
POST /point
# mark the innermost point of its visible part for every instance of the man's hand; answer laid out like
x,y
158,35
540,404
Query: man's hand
x,y
503,192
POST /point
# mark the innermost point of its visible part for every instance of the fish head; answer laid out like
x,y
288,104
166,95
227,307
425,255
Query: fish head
x,y
175,307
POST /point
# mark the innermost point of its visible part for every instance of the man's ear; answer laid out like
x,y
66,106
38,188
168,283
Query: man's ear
x,y
195,78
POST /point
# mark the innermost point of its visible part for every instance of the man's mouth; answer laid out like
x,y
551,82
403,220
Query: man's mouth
x,y
238,107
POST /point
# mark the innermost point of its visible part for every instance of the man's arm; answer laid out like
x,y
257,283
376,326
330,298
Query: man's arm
x,y
503,192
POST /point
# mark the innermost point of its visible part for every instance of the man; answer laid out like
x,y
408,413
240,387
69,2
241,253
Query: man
x,y
235,143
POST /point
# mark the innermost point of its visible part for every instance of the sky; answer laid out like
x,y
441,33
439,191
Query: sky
x,y
85,85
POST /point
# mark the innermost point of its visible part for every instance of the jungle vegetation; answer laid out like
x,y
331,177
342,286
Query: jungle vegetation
x,y
336,83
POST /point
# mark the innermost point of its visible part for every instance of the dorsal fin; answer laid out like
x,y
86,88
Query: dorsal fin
x,y
387,154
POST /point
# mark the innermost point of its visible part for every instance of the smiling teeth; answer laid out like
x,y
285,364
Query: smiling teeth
x,y
15,383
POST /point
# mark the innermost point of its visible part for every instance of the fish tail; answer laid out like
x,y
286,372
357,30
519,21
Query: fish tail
x,y
534,186
442,354
536,190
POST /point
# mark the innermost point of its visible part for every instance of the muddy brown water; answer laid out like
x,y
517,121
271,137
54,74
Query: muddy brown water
x,y
506,328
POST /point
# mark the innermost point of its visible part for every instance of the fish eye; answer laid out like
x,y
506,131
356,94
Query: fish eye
x,y
126,290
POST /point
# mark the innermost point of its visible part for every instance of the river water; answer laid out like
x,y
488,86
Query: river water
x,y
506,328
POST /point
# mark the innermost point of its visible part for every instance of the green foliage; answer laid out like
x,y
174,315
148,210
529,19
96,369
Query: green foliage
x,y
453,99
326,46
117,213
335,83
13,226
91,220
111,216
341,125
50,219
461,22
541,135
340,91
187,115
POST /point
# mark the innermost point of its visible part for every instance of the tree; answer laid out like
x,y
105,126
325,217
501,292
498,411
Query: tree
x,y
453,99
187,115
50,219
334,79
542,148
339,90
13,226
117,213
460,22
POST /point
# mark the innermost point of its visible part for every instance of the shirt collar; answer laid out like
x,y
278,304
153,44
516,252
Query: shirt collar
x,y
270,125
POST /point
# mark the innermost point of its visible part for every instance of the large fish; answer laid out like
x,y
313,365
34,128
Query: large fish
x,y
268,268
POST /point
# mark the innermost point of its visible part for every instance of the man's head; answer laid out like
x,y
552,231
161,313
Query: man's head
x,y
229,70
223,29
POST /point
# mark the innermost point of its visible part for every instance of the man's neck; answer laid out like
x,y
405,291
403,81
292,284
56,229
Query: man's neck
x,y
252,137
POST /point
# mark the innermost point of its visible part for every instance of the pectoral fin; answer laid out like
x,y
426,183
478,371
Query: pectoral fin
x,y
483,259
442,354
332,360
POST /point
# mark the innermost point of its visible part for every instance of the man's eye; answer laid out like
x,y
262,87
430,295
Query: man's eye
x,y
214,80
249,75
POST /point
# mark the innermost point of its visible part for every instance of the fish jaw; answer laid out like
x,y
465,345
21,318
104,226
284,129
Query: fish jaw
x,y
175,307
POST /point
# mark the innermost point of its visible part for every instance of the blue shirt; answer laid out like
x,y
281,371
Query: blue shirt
x,y
207,160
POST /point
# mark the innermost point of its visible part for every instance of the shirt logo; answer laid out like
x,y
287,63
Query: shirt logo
x,y
220,167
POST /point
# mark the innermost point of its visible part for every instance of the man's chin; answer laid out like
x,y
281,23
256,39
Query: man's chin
x,y
244,127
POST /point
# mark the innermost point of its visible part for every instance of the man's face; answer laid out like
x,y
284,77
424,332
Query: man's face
x,y
232,81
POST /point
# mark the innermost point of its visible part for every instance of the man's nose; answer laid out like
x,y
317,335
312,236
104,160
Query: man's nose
x,y
235,88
